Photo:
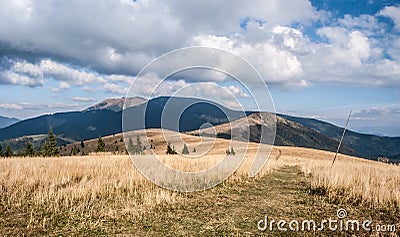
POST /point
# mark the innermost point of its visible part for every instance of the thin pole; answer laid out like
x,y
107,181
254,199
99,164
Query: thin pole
x,y
341,139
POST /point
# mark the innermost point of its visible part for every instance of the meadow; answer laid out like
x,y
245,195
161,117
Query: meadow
x,y
100,194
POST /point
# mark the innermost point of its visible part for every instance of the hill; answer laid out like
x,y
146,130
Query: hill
x,y
288,133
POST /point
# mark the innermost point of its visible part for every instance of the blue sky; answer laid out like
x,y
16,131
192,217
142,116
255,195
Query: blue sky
x,y
320,59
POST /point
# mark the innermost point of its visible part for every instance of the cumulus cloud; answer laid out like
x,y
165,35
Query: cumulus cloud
x,y
12,78
85,44
393,12
115,88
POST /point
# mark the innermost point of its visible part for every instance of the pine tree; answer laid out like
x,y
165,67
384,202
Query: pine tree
x,y
131,147
170,150
101,146
139,147
228,152
1,151
50,147
74,151
82,144
185,150
9,152
232,151
28,151
39,151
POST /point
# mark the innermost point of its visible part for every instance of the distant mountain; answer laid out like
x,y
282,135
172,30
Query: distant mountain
x,y
92,123
395,158
368,146
116,104
74,126
5,121
105,118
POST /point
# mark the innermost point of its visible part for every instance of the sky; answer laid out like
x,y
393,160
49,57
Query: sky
x,y
320,59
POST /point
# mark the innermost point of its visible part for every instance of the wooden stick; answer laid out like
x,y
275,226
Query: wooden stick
x,y
341,139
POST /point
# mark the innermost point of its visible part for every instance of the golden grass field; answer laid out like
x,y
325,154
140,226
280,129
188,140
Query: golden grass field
x,y
109,185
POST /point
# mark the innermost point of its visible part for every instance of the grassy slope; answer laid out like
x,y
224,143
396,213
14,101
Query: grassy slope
x,y
232,208
225,210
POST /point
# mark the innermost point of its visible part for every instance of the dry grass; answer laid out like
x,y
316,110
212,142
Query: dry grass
x,y
90,187
41,193
350,179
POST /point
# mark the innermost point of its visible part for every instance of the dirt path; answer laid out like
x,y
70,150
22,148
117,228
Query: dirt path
x,y
229,209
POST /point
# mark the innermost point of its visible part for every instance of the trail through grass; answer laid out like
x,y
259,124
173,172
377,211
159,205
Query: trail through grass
x,y
230,209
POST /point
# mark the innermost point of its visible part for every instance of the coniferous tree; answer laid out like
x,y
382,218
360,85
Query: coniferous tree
x,y
1,151
101,146
232,151
139,147
29,150
131,147
82,144
185,150
9,152
170,150
50,147
74,151
228,152
39,151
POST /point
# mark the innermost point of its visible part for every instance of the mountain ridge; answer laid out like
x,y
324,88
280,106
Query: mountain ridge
x,y
116,104
106,119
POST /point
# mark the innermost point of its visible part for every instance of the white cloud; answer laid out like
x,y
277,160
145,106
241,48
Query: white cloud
x,y
83,99
9,106
121,78
277,66
367,24
115,88
64,85
61,72
393,13
31,106
12,78
110,50
130,33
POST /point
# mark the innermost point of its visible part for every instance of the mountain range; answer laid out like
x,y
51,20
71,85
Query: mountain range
x,y
105,118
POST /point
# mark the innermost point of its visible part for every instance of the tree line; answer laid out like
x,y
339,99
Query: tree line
x,y
49,148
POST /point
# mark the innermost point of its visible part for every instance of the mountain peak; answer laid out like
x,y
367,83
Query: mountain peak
x,y
116,104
